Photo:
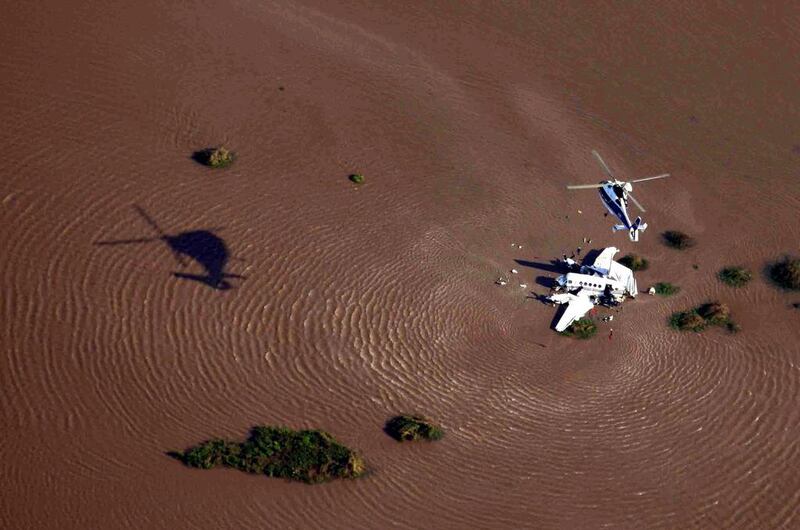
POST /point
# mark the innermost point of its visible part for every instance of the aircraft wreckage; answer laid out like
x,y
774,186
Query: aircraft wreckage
x,y
604,282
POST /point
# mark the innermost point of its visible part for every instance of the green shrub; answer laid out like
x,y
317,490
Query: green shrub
x,y
310,455
708,314
411,428
635,262
582,328
786,273
358,178
687,321
215,157
676,239
714,313
735,276
666,289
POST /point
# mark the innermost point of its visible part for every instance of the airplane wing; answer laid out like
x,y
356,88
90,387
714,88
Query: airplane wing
x,y
577,306
602,263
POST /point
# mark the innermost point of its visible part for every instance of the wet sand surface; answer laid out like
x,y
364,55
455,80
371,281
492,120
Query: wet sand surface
x,y
356,303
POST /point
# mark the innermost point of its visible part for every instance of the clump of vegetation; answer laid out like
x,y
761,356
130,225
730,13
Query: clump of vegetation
x,y
687,321
582,328
735,276
310,456
676,239
786,273
699,318
216,157
715,313
357,178
406,428
666,289
635,262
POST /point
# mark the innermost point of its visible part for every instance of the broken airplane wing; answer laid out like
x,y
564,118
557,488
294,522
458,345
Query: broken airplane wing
x,y
577,306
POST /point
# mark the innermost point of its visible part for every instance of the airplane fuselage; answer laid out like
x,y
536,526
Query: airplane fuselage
x,y
595,286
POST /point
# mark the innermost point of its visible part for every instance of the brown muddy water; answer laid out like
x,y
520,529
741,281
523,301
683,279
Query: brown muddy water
x,y
355,303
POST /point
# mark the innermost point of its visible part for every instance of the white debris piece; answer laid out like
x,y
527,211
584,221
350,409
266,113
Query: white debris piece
x,y
514,271
501,281
651,290
523,285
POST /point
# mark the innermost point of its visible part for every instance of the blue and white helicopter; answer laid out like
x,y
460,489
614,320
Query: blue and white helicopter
x,y
615,194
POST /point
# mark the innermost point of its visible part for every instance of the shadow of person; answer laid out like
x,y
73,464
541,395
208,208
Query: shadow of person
x,y
202,246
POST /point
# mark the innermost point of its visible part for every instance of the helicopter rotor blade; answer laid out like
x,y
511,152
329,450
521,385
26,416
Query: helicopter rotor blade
x,y
603,165
585,186
665,175
633,199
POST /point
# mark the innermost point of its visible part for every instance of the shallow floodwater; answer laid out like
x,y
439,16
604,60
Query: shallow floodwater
x,y
349,303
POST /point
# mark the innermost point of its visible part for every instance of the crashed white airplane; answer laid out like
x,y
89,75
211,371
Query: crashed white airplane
x,y
604,281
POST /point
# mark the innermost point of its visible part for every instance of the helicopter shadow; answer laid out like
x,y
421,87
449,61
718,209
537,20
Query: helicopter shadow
x,y
201,246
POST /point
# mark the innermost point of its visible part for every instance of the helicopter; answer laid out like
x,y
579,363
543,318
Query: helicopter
x,y
615,194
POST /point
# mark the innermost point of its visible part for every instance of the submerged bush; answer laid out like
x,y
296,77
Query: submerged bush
x,y
687,321
582,328
411,428
666,289
310,456
735,276
715,313
216,157
635,262
786,273
708,314
676,239
357,178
